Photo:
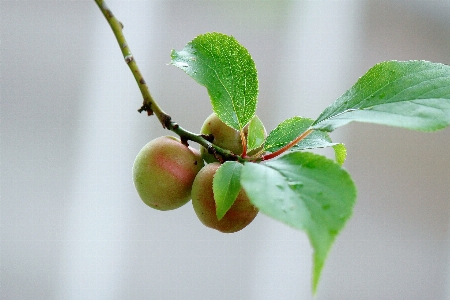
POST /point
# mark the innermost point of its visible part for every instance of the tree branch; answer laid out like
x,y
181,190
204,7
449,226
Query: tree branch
x,y
149,104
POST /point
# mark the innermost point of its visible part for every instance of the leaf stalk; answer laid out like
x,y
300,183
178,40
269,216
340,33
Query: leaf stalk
x,y
288,146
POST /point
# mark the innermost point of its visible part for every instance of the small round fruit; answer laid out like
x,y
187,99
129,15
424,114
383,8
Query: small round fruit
x,y
240,214
224,136
163,172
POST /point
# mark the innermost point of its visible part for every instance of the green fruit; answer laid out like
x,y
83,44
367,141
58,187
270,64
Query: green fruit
x,y
163,172
224,136
240,214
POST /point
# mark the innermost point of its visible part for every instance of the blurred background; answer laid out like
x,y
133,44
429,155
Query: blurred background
x,y
72,225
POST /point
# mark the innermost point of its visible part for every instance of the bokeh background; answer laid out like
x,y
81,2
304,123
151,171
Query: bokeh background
x,y
72,225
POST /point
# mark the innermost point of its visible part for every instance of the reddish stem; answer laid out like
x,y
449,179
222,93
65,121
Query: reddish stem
x,y
244,144
288,146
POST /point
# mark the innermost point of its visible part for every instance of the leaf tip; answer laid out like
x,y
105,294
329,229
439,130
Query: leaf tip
x,y
340,152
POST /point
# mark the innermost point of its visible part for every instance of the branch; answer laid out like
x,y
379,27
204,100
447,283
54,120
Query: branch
x,y
203,140
149,104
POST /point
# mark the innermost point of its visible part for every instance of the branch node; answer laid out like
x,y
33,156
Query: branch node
x,y
146,107
129,58
208,137
212,150
108,12
184,140
166,121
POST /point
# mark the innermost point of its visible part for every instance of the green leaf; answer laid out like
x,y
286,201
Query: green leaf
x,y
316,139
226,186
306,191
218,62
340,153
290,129
286,132
409,94
256,134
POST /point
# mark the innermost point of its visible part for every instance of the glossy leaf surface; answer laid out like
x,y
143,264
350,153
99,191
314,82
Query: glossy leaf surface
x,y
409,94
226,186
218,62
256,134
307,192
291,128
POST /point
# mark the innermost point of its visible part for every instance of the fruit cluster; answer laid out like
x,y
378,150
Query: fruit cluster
x,y
167,174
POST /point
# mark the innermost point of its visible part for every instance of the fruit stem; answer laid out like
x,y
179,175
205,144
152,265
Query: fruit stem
x,y
288,146
149,104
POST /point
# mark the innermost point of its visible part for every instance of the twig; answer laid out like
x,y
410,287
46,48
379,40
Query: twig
x,y
149,104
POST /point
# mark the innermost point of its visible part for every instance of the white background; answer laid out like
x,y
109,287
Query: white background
x,y
71,223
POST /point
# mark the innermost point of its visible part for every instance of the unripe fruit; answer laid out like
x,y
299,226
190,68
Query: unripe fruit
x,y
163,172
240,214
224,136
